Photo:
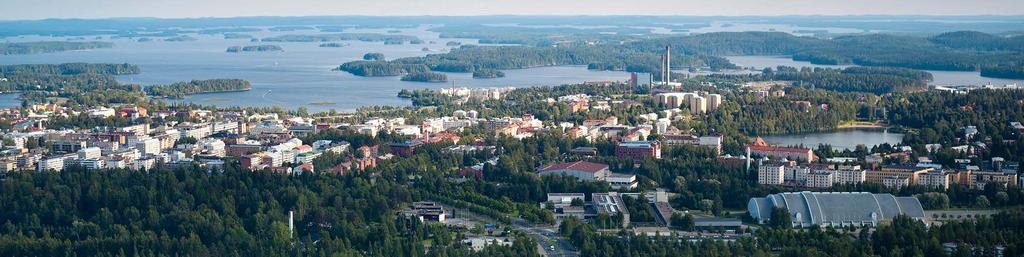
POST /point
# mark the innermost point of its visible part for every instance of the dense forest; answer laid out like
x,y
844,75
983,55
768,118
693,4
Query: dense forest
x,y
181,89
471,58
48,47
433,77
255,48
938,117
191,212
381,68
71,69
995,56
902,237
373,57
488,74
69,77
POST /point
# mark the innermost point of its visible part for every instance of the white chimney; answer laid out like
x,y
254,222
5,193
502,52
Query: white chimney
x,y
291,223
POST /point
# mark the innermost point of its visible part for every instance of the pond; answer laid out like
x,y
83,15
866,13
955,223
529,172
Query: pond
x,y
839,139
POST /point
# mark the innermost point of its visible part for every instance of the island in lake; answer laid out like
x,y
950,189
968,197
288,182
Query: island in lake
x,y
373,57
182,38
332,44
255,48
488,74
432,77
49,47
237,36
181,89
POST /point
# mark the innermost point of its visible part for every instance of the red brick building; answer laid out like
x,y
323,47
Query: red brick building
x,y
638,150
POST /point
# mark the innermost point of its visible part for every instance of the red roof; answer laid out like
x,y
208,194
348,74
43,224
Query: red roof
x,y
778,149
577,166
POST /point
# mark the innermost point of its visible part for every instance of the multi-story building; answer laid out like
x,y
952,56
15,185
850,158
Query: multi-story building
x,y
714,101
54,163
611,204
621,181
849,174
982,178
582,170
761,148
93,163
896,181
90,153
934,179
820,179
589,171
909,172
67,146
771,175
638,150
698,105
148,146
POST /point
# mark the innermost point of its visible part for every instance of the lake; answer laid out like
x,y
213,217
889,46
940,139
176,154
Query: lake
x,y
301,75
839,139
941,78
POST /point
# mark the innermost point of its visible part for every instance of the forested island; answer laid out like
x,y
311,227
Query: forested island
x,y
332,44
182,38
368,37
875,80
955,51
373,57
49,47
488,74
255,48
237,36
432,77
291,28
471,58
181,89
381,68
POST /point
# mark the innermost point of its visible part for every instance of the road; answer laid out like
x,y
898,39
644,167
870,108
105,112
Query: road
x,y
546,236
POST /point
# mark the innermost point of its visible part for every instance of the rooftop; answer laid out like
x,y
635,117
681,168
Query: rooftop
x,y
577,166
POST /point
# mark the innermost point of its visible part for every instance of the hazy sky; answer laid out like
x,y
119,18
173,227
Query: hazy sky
x,y
39,9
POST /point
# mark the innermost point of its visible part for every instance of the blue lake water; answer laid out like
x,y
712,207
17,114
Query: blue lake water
x,y
942,78
302,76
299,76
839,139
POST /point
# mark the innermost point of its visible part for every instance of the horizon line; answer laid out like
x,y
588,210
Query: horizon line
x,y
515,15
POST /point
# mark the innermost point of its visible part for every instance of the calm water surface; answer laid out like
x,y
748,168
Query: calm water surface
x,y
839,139
300,76
942,78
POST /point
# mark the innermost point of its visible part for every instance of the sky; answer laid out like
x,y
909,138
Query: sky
x,y
42,9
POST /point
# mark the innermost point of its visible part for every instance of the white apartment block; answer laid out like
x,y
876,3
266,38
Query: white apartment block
x,y
148,146
771,175
90,153
820,179
896,182
850,174
55,163
797,173
934,179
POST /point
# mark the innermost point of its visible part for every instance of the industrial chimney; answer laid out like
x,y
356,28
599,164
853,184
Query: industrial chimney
x,y
668,64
